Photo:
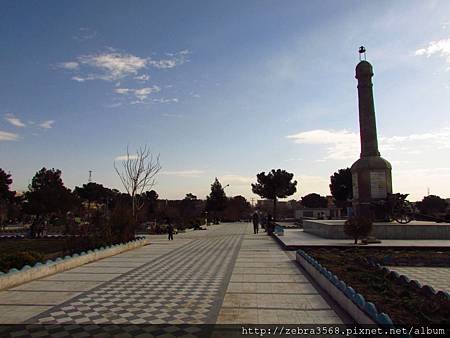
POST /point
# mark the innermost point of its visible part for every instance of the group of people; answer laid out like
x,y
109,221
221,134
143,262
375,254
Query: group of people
x,y
266,222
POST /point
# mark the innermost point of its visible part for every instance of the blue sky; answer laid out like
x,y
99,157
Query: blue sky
x,y
226,89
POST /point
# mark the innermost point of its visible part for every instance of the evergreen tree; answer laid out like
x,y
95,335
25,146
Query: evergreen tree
x,y
276,184
217,200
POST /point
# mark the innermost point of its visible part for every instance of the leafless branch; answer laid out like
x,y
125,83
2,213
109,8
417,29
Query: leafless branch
x,y
138,173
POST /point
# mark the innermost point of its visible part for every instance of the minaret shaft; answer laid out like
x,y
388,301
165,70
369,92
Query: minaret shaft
x,y
367,122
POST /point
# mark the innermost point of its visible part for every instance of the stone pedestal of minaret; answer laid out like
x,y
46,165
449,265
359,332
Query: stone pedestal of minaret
x,y
371,174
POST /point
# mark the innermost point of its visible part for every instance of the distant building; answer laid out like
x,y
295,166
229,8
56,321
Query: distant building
x,y
330,212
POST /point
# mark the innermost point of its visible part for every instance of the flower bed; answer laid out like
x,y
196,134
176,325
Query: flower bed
x,y
364,282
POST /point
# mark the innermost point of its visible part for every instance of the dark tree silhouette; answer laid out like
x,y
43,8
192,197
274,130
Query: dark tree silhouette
x,y
6,196
237,208
341,186
314,201
432,204
190,197
217,200
94,192
150,198
47,194
276,184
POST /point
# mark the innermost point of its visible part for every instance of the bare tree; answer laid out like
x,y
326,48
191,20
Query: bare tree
x,y
138,173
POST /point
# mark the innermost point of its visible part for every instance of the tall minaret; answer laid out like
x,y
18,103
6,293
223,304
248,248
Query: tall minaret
x,y
367,124
371,174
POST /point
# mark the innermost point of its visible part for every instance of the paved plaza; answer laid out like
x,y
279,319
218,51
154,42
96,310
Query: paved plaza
x,y
298,238
225,274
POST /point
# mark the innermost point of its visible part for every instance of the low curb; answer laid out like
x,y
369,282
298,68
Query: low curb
x,y
353,303
27,273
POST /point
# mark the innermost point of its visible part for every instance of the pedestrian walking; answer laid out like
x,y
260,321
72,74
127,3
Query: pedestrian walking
x,y
170,229
270,224
255,219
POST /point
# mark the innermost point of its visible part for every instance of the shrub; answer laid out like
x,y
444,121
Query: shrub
x,y
358,227
18,259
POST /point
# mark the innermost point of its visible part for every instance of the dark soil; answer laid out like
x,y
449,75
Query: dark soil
x,y
403,304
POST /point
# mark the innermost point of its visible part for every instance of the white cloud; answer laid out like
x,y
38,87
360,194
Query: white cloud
x,y
140,94
345,145
122,90
78,79
15,121
113,65
70,65
143,77
441,47
126,157
47,124
5,136
184,173
342,144
175,59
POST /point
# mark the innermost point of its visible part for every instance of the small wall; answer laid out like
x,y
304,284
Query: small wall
x,y
353,303
25,274
335,230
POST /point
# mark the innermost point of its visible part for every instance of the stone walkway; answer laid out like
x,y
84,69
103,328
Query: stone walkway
x,y
267,287
438,278
225,274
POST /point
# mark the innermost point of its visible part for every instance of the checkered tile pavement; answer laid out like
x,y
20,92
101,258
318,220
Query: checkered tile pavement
x,y
183,286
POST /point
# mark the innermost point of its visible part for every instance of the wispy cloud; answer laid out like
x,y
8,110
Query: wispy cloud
x,y
47,124
140,94
341,144
6,136
173,60
70,65
171,115
143,77
233,179
15,121
165,100
126,157
345,145
114,65
440,47
85,33
184,173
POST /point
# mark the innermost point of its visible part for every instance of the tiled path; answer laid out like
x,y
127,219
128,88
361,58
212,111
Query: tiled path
x,y
225,274
267,287
438,278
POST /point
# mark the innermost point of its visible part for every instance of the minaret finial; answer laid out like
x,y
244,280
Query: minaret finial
x,y
362,50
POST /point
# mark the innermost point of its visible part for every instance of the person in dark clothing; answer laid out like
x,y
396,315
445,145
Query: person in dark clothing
x,y
255,219
170,229
270,225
